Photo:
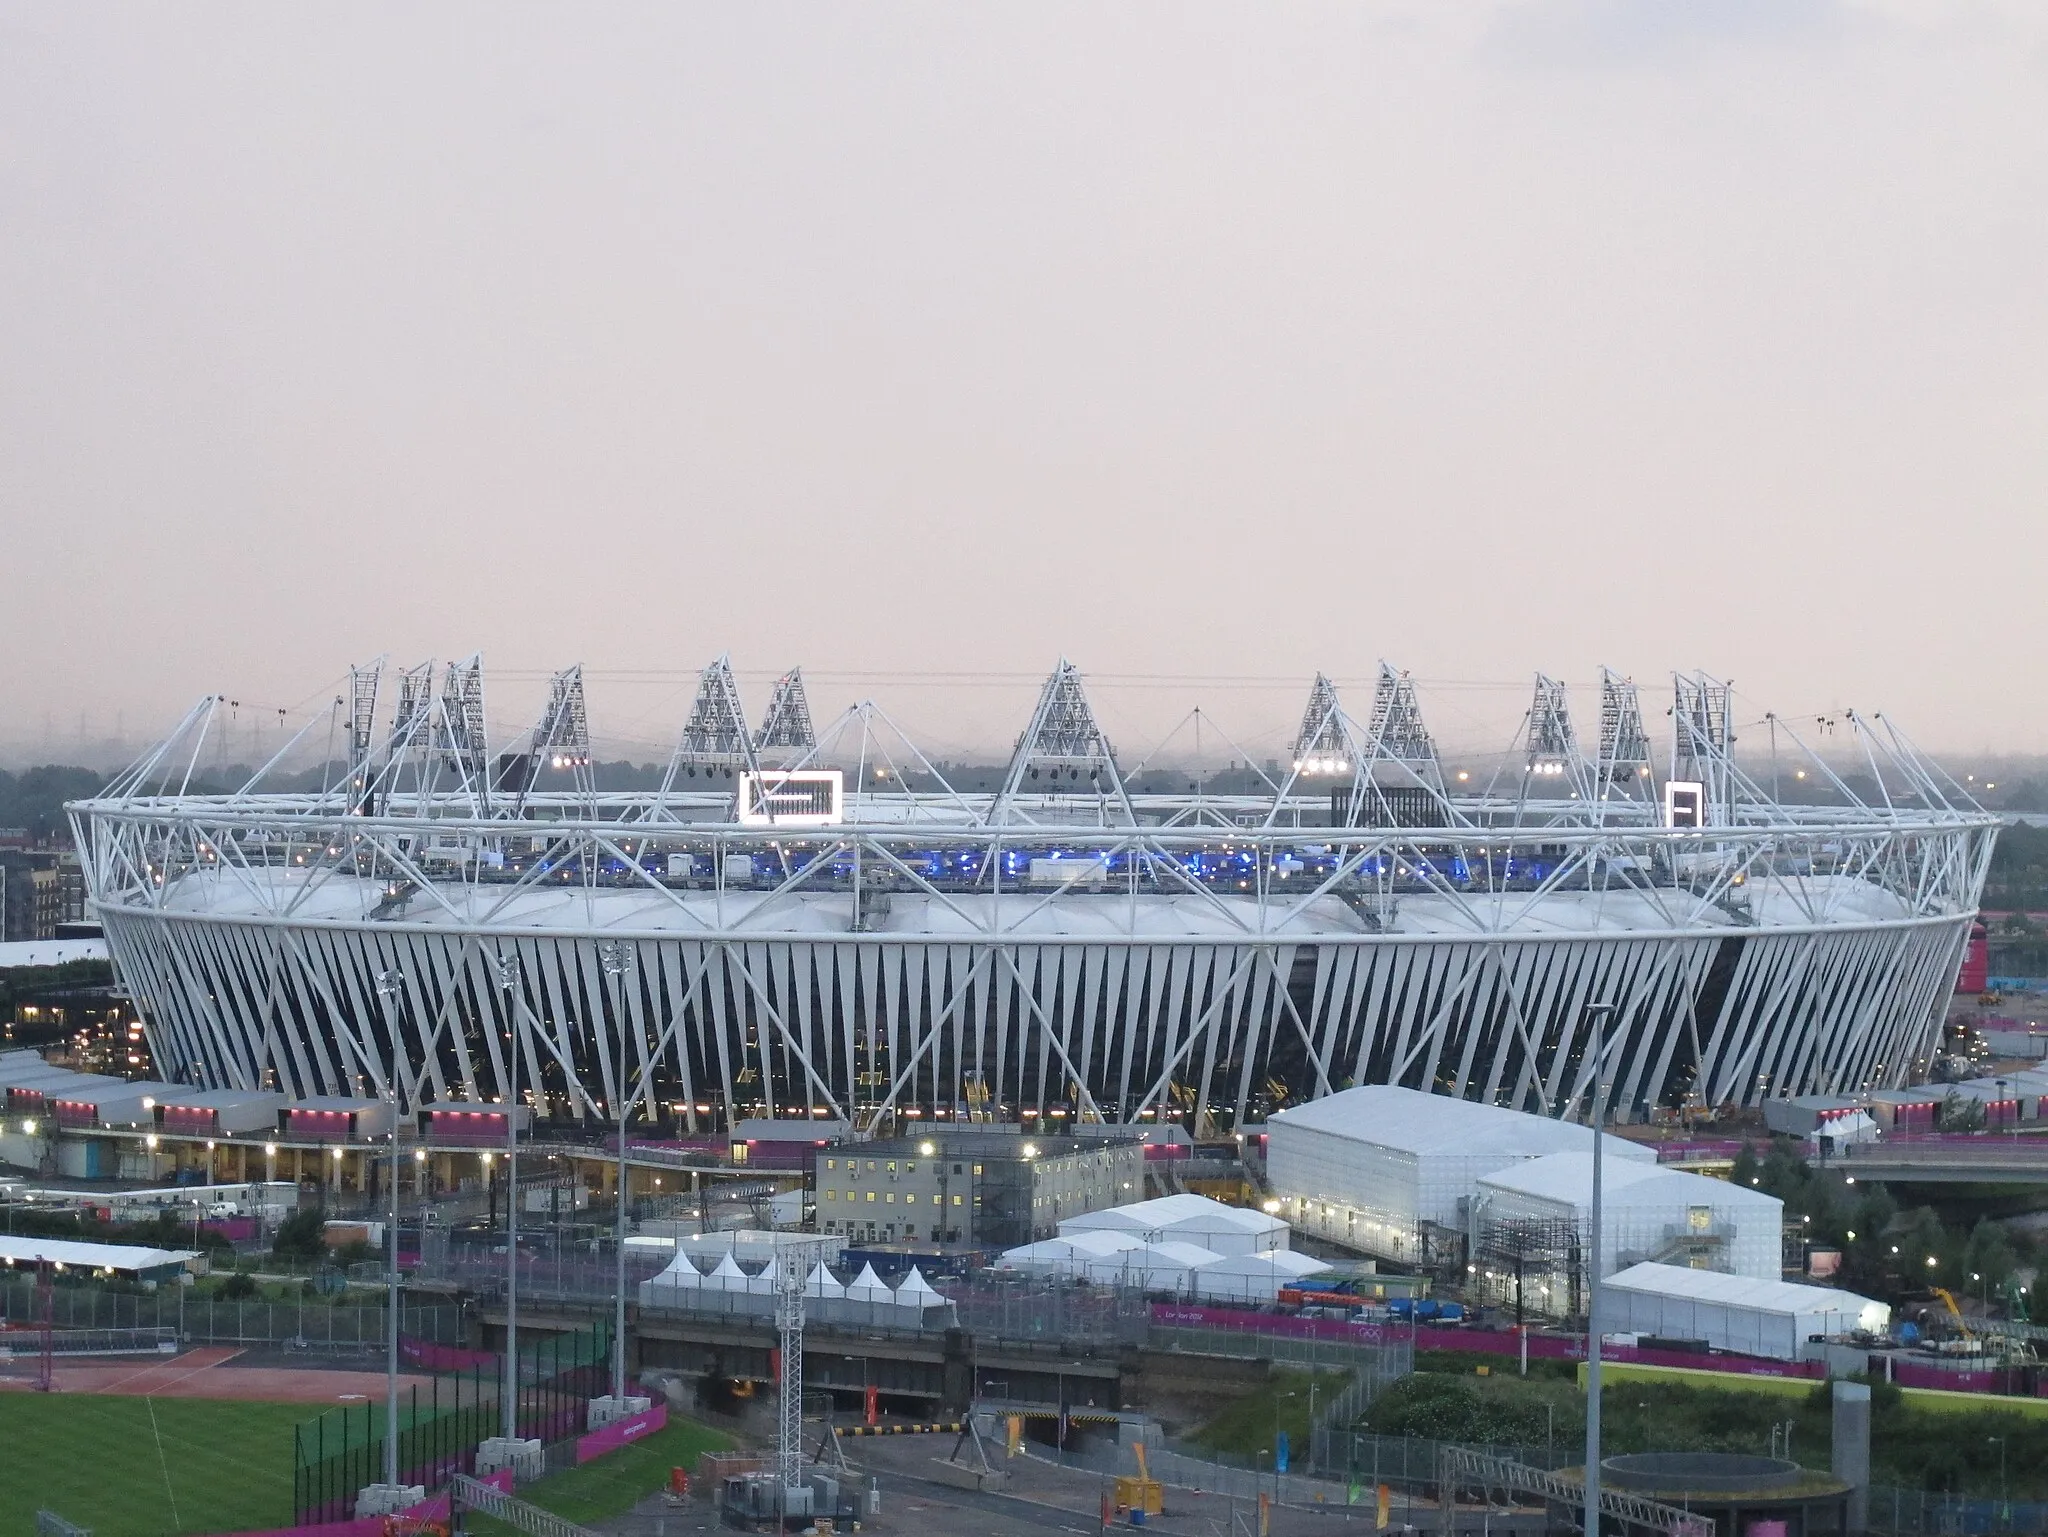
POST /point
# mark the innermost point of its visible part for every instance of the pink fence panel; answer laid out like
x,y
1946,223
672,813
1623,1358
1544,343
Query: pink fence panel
x,y
618,1433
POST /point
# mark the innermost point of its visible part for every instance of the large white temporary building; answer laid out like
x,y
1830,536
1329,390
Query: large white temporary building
x,y
1069,1255
1191,1219
1647,1212
1156,1267
1369,1167
1738,1313
1255,1278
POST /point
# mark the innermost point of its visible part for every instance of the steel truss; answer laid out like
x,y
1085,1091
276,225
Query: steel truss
x,y
1082,952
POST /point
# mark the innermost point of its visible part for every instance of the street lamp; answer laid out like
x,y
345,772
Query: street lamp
x,y
388,984
617,958
1596,1015
508,978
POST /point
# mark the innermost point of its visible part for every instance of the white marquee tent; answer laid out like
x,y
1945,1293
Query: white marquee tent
x,y
1191,1219
1736,1313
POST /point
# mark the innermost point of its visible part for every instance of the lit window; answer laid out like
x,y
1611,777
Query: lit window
x,y
892,1198
910,1198
831,1195
831,1163
871,1195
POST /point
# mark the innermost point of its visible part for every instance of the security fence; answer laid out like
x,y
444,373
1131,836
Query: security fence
x,y
1915,1513
294,1325
440,1426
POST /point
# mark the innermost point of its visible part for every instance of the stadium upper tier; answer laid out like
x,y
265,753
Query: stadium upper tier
x,y
820,924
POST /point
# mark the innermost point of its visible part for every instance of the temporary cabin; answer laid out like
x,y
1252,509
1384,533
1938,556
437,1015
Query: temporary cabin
x,y
1906,1110
337,1118
218,1112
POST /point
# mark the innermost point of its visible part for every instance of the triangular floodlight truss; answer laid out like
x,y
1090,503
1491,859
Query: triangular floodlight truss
x,y
786,732
362,716
1062,749
1552,765
715,736
1623,768
561,738
1397,734
1703,740
461,733
1399,782
1322,745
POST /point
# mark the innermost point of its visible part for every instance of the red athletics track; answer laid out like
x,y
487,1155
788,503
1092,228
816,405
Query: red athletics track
x,y
207,1373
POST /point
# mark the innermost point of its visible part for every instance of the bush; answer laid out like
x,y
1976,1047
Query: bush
x,y
237,1288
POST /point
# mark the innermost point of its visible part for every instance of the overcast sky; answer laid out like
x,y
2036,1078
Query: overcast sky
x,y
1200,342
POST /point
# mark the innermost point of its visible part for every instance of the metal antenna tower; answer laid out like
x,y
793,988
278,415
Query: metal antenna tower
x,y
1062,735
786,736
1322,746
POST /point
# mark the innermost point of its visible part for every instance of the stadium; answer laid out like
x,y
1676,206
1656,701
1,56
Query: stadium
x,y
819,923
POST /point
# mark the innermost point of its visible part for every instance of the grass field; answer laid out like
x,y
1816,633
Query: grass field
x,y
615,1482
143,1467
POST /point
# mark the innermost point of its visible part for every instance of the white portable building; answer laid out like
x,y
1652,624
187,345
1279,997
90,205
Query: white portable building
x,y
1647,1212
1368,1167
1191,1219
1736,1313
1256,1278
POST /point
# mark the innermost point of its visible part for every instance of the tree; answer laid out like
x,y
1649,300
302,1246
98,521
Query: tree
x,y
302,1235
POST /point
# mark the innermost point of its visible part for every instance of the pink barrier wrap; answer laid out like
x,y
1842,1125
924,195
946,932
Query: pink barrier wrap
x,y
428,1356
1499,1342
619,1432
433,1508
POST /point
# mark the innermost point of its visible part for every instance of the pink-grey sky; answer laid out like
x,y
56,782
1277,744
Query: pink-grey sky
x,y
1197,341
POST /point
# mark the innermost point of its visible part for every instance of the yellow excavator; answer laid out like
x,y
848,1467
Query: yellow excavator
x,y
1969,1344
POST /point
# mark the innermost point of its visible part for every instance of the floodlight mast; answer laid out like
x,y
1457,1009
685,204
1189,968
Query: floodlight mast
x,y
1597,1015
793,1264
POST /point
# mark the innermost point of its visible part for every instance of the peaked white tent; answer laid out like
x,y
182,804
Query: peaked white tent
x,y
727,1277
823,1284
915,1291
868,1287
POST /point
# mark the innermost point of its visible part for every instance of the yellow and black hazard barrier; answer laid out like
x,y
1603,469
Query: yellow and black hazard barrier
x,y
947,1428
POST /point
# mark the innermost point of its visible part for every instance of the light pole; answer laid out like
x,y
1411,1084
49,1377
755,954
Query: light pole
x,y
618,960
1596,1015
388,984
508,978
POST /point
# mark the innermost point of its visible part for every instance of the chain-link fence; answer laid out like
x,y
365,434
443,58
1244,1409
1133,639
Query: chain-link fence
x,y
1915,1513
441,1425
298,1325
